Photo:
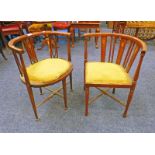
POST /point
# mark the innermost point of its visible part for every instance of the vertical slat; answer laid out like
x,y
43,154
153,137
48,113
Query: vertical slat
x,y
113,49
56,46
49,40
110,50
128,54
33,53
68,49
121,50
30,50
132,58
103,47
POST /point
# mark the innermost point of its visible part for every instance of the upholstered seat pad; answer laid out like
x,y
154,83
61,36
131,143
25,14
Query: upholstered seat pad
x,y
106,73
38,27
47,70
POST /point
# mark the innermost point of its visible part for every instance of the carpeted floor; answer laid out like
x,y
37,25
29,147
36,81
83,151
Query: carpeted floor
x,y
16,114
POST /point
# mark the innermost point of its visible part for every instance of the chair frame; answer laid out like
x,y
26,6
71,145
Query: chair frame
x,y
127,65
18,55
10,32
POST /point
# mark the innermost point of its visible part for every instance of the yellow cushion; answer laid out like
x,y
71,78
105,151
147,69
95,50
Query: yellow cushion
x,y
39,27
106,73
47,70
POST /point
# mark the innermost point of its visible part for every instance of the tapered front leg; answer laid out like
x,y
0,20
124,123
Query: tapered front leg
x,y
86,100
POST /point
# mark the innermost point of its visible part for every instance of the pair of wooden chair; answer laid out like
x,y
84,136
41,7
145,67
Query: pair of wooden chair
x,y
118,54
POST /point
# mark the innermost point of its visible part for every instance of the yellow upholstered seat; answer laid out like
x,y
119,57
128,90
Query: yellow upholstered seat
x,y
47,70
39,27
106,73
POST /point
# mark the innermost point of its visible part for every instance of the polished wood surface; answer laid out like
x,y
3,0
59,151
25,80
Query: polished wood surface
x,y
29,45
128,50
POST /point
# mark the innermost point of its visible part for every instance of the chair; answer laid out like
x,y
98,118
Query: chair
x,y
97,30
11,28
41,26
119,67
1,48
44,72
61,25
119,26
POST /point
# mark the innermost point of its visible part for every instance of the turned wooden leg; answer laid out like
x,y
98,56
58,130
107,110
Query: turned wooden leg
x,y
65,93
30,92
128,101
71,82
86,100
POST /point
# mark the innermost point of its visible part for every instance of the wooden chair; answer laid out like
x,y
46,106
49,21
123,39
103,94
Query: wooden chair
x,y
1,48
121,55
61,25
42,73
41,26
12,28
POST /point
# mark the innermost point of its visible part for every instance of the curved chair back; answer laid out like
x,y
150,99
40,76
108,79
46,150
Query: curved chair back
x,y
28,44
120,49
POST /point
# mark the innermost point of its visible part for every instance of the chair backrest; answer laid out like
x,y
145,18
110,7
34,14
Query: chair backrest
x,y
120,49
27,43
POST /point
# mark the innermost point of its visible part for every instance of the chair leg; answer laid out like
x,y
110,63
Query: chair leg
x,y
86,100
113,90
128,101
30,92
41,91
71,82
1,51
65,93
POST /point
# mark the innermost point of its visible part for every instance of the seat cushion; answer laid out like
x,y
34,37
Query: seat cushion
x,y
60,25
47,70
10,28
39,27
106,73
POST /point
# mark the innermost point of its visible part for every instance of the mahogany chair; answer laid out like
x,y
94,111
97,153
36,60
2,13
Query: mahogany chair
x,y
45,72
119,66
61,25
12,28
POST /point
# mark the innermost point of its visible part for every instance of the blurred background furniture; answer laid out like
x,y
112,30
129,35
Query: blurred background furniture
x,y
1,48
44,72
144,30
38,26
119,55
84,25
8,29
